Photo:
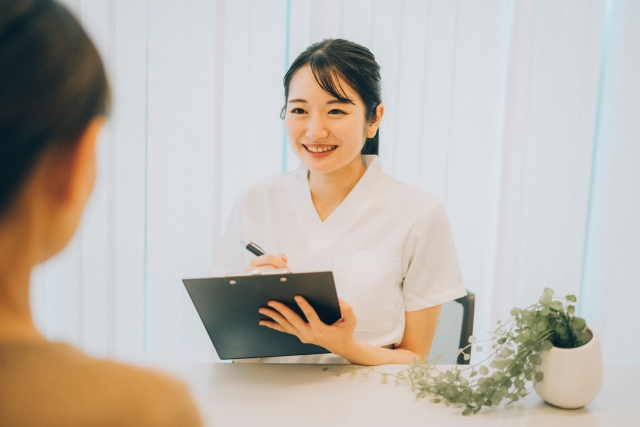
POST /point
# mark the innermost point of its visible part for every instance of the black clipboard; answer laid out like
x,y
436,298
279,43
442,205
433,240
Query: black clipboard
x,y
228,307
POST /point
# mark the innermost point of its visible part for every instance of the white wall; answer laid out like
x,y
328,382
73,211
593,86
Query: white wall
x,y
519,115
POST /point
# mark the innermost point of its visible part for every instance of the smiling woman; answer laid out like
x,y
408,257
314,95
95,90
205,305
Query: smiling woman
x,y
388,244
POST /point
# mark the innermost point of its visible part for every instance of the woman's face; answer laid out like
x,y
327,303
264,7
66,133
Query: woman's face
x,y
325,133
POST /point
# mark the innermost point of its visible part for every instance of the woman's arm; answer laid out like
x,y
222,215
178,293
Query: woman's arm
x,y
420,327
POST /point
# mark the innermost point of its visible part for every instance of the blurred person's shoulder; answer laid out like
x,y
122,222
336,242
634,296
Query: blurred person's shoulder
x,y
55,384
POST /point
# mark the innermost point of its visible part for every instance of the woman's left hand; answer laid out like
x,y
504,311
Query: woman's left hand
x,y
336,337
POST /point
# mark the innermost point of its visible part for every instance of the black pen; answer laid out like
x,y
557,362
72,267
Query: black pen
x,y
254,249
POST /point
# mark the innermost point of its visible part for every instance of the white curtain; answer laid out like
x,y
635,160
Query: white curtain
x,y
521,116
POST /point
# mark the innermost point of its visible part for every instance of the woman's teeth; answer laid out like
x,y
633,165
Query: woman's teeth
x,y
320,149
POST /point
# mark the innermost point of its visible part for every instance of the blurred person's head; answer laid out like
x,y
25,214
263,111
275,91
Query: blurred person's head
x,y
53,97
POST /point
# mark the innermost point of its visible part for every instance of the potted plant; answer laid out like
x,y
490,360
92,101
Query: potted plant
x,y
544,346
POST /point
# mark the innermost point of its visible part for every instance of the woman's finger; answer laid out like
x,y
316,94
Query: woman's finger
x,y
291,316
279,319
275,326
283,257
267,261
309,312
347,311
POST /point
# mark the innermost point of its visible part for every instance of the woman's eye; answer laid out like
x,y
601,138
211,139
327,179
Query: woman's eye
x,y
297,111
336,111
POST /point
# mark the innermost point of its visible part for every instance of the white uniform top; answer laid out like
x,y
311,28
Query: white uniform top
x,y
388,244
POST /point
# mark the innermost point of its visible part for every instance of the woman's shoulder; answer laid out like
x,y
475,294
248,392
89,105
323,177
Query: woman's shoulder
x,y
51,375
408,196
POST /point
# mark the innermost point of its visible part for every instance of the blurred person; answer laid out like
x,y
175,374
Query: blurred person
x,y
53,100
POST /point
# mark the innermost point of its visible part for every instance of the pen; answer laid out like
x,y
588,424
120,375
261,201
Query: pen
x,y
254,249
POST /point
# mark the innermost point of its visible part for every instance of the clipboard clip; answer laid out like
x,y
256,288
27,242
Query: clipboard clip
x,y
265,272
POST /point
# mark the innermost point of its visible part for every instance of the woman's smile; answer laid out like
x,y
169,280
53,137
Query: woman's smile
x,y
319,150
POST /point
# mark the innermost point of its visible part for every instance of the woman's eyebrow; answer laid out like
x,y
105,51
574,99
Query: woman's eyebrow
x,y
338,101
297,100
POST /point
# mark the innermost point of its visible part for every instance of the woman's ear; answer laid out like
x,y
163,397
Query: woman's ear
x,y
66,179
374,125
73,167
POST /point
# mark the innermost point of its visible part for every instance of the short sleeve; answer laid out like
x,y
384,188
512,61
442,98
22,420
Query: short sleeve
x,y
433,274
230,255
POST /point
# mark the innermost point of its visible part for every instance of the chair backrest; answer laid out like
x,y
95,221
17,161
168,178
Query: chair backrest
x,y
455,326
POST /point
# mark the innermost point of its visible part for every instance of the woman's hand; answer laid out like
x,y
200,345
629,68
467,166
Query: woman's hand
x,y
267,261
337,338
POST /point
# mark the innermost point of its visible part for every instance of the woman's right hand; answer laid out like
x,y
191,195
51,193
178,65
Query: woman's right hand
x,y
267,261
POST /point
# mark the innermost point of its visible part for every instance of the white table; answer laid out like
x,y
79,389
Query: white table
x,y
305,395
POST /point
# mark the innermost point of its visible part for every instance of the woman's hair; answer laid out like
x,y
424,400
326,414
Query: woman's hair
x,y
52,84
355,64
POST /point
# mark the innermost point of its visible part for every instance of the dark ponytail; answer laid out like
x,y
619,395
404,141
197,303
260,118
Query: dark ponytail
x,y
52,84
355,64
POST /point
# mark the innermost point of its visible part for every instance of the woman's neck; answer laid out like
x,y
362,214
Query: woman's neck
x,y
16,323
328,190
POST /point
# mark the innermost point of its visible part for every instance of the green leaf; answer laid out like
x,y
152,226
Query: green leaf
x,y
483,370
547,345
472,339
571,310
556,305
582,340
578,323
571,298
539,376
546,298
515,370
467,411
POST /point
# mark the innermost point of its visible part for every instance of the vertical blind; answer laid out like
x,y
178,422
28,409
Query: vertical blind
x,y
518,115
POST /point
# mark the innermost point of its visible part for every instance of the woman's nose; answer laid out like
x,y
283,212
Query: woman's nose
x,y
316,129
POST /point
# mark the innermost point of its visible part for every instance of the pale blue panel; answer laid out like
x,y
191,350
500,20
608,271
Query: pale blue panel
x,y
357,21
98,229
407,113
386,37
474,142
559,147
611,283
253,55
519,88
129,116
166,178
435,120
326,20
198,149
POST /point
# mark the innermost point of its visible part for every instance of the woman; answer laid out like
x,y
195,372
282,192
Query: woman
x,y
389,244
53,98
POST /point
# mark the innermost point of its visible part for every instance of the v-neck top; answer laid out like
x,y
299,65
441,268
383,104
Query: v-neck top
x,y
389,245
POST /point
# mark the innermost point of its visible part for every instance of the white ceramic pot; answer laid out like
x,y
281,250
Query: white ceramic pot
x,y
572,377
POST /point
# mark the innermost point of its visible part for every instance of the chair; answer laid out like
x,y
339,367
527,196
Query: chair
x,y
455,326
